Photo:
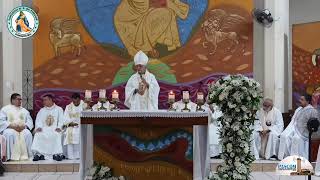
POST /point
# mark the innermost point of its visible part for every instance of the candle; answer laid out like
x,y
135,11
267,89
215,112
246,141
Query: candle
x,y
171,96
185,95
115,94
200,95
87,94
102,93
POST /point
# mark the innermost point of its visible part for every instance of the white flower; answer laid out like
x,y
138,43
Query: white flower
x,y
242,169
237,110
221,97
232,154
231,106
248,98
92,170
235,83
243,108
240,132
246,149
237,163
230,162
235,127
241,145
228,120
254,94
227,125
231,138
103,171
250,83
237,159
229,147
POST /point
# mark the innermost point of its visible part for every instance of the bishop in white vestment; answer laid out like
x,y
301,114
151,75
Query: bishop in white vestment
x,y
268,130
72,122
142,89
200,143
15,124
47,139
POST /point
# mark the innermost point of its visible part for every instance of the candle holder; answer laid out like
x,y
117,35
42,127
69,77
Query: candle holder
x,y
185,101
200,103
102,101
171,108
88,101
115,102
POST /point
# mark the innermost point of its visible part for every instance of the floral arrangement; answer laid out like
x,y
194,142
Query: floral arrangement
x,y
238,97
100,172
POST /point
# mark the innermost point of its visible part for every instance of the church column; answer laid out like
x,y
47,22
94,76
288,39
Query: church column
x,y
275,53
11,56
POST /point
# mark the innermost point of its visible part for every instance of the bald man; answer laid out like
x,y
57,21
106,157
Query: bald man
x,y
267,130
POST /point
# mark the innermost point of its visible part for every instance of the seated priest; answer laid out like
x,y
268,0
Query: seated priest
x,y
300,139
267,130
47,142
294,139
15,124
142,89
72,113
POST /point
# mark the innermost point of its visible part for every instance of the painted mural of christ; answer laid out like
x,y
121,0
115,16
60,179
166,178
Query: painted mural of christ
x,y
141,24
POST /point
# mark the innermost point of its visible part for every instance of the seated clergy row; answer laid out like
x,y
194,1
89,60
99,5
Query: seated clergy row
x,y
271,141
56,133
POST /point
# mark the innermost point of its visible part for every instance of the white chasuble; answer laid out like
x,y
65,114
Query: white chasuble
x,y
147,101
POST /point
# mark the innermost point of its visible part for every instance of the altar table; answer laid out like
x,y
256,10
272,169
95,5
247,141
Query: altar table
x,y
143,145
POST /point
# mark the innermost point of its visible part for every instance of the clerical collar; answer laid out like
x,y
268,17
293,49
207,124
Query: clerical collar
x,y
19,107
52,107
80,104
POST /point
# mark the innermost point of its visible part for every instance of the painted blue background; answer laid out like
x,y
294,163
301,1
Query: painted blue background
x,y
97,17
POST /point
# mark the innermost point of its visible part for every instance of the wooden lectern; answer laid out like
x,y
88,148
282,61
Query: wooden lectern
x,y
144,145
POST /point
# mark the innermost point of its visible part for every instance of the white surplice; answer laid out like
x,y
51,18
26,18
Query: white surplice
x,y
300,140
18,144
201,142
48,142
271,143
147,101
71,140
